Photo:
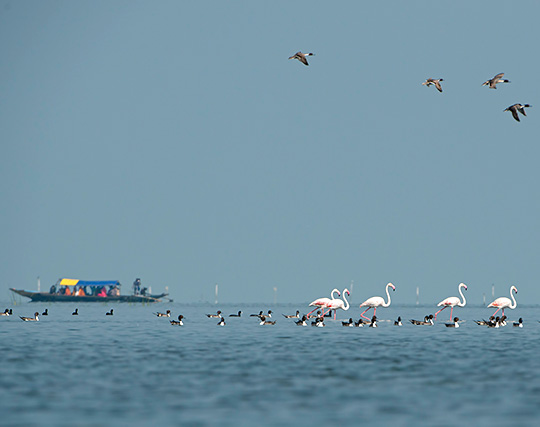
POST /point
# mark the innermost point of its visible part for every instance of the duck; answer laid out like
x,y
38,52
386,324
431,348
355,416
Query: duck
x,y
7,312
484,322
517,107
292,316
495,324
166,314
221,322
239,314
301,57
519,323
257,315
31,319
109,313
493,82
266,322
349,323
503,320
453,325
436,82
302,321
398,322
318,322
361,322
216,316
46,312
178,322
76,312
428,320
373,323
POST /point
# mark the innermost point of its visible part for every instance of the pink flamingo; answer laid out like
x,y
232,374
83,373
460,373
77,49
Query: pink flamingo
x,y
336,304
452,302
322,302
504,302
375,302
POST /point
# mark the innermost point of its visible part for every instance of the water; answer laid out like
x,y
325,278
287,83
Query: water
x,y
136,369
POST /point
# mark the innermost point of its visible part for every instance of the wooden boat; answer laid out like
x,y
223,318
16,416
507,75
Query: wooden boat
x,y
65,290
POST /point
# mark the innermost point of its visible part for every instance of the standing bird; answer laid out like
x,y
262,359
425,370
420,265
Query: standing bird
x,y
375,302
436,82
109,313
452,301
517,107
323,302
178,322
453,325
337,304
31,319
301,57
503,302
493,82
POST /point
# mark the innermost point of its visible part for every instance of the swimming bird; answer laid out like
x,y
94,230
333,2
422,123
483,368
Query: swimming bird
x,y
428,320
215,316
109,313
493,82
301,57
373,323
31,319
398,322
319,322
266,322
178,322
495,324
257,315
519,323
504,302
485,322
76,312
375,302
338,304
323,302
436,82
302,321
361,322
292,316
503,320
349,323
517,107
452,301
239,314
7,312
453,325
167,314
221,322
46,312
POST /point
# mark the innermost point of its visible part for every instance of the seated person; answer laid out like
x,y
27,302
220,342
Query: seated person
x,y
115,291
52,290
102,292
80,292
67,291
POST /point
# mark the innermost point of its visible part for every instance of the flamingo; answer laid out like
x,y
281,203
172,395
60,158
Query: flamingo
x,y
375,302
504,302
322,302
452,302
336,304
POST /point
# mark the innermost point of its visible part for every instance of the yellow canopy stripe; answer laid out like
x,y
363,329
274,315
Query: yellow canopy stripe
x,y
69,282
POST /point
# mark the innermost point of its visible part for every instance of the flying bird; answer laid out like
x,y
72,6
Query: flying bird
x,y
492,83
436,82
301,57
517,107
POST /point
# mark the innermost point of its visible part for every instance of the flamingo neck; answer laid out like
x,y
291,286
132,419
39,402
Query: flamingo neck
x,y
332,293
462,304
346,307
514,305
388,295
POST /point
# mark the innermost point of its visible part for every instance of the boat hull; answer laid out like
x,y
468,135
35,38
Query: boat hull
x,y
47,297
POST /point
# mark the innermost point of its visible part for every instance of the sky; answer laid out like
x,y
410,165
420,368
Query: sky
x,y
175,142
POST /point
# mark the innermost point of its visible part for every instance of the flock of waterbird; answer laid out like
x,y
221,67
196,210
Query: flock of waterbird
x,y
491,83
324,307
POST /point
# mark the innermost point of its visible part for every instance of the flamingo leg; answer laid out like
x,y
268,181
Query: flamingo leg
x,y
335,312
451,310
497,312
316,308
435,316
362,314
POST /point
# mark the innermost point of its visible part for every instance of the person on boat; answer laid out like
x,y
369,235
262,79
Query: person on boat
x,y
80,292
67,291
137,286
102,292
115,292
53,289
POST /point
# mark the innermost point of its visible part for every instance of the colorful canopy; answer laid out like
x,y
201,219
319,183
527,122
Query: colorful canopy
x,y
73,282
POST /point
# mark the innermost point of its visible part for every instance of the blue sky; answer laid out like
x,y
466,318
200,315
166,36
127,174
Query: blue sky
x,y
174,141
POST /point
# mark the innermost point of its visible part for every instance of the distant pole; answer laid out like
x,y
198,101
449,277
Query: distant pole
x,y
417,295
216,293
493,290
38,284
484,296
352,286
275,295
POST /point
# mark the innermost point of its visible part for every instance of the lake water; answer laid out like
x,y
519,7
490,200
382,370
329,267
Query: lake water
x,y
134,368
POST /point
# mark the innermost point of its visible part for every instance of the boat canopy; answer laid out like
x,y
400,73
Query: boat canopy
x,y
73,282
